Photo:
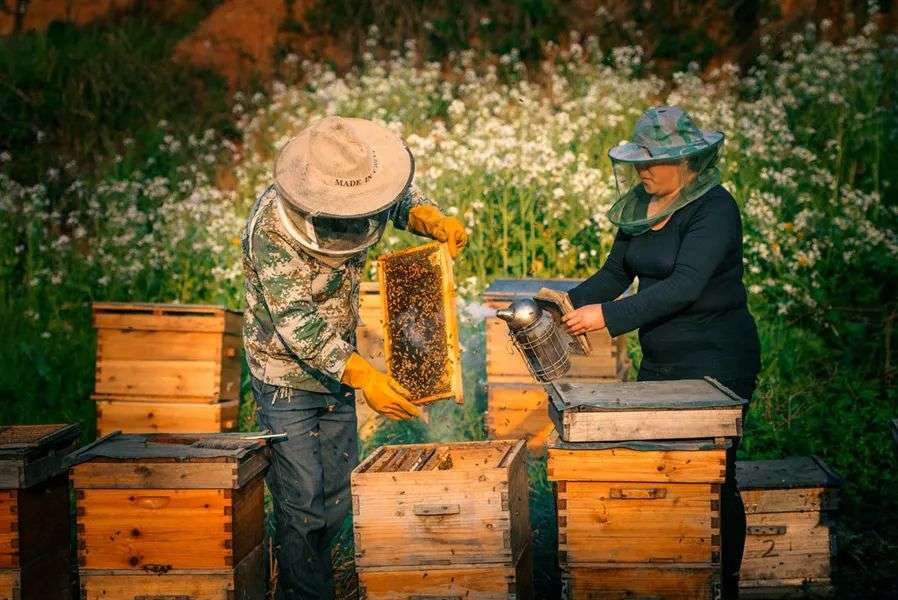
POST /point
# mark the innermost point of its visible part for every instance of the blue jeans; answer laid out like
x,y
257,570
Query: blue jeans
x,y
308,480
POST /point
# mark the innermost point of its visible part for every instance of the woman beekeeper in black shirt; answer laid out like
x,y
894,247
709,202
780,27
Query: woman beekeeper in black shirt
x,y
680,233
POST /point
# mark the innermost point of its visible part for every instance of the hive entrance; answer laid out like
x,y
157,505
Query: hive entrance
x,y
420,324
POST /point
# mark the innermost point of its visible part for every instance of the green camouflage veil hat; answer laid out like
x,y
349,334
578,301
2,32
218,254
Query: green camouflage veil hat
x,y
664,134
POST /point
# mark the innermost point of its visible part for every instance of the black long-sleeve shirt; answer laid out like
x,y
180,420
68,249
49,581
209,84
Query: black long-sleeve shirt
x,y
691,308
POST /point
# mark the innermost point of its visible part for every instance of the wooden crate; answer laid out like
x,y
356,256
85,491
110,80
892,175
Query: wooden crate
x,y
644,410
441,504
519,411
370,344
48,577
471,582
143,417
166,503
790,505
35,521
657,582
638,502
608,360
167,352
421,346
246,581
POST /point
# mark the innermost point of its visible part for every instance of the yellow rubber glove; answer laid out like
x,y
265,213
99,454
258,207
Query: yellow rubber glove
x,y
428,220
382,392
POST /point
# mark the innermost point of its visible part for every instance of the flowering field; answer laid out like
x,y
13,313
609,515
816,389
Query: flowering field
x,y
518,151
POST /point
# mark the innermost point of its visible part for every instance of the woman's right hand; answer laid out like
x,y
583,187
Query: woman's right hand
x,y
585,319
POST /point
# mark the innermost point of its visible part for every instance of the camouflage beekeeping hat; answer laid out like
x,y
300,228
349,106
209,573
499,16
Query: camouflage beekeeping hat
x,y
663,134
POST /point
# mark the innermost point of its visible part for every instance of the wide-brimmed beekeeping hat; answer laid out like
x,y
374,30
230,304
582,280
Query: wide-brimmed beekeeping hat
x,y
665,134
343,167
338,181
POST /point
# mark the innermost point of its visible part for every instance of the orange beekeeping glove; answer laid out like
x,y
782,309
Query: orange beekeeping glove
x,y
428,220
382,392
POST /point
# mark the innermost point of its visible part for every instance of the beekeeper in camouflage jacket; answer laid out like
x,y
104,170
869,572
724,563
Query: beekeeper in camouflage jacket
x,y
336,185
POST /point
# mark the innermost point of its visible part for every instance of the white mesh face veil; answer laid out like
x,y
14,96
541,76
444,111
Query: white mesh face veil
x,y
333,236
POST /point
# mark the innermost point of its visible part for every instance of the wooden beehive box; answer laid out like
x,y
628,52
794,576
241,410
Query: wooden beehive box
x,y
167,352
790,505
180,515
146,417
895,431
516,404
478,582
35,521
638,503
607,361
369,336
656,582
644,410
421,346
428,505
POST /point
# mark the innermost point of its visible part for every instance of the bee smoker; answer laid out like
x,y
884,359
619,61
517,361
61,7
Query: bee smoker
x,y
535,334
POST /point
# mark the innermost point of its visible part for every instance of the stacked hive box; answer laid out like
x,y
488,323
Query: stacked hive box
x,y
35,521
789,505
370,342
171,516
638,469
443,521
516,402
167,367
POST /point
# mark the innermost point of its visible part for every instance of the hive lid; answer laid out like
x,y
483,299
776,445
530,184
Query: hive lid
x,y
555,442
785,473
169,447
30,454
21,439
704,393
510,289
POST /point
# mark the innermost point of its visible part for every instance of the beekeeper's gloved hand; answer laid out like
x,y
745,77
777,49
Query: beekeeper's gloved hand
x,y
382,392
428,220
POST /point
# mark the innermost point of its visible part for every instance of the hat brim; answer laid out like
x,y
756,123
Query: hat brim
x,y
393,171
633,153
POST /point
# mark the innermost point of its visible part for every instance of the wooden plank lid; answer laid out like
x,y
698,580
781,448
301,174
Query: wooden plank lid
x,y
31,454
171,447
506,290
23,439
785,473
693,394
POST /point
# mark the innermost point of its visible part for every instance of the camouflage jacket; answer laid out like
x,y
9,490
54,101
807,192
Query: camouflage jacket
x,y
301,313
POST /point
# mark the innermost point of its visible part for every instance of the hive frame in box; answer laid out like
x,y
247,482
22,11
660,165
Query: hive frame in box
x,y
444,262
462,503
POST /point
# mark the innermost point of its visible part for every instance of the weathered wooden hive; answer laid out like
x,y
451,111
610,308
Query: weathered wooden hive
x,y
35,517
443,520
638,486
167,367
421,347
172,516
644,410
790,505
370,343
517,404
